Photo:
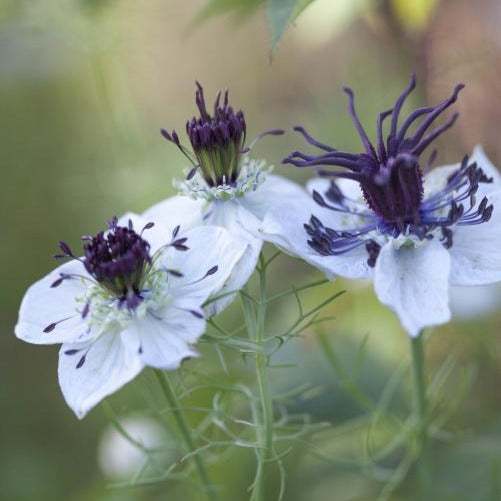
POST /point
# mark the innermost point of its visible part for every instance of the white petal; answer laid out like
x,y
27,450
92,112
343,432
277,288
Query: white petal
x,y
107,366
436,179
275,190
209,247
283,226
320,184
413,282
176,210
241,273
164,342
224,213
43,305
476,250
240,223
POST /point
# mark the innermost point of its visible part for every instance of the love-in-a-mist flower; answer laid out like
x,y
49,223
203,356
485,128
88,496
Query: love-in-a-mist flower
x,y
387,215
225,187
131,300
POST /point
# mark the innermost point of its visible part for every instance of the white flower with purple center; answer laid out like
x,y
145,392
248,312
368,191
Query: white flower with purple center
x,y
127,303
225,187
415,231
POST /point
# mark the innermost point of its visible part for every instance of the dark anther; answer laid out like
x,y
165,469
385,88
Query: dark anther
x,y
81,362
50,327
373,249
112,224
446,237
334,194
147,226
86,309
212,271
67,252
192,172
179,244
57,282
318,199
174,273
72,352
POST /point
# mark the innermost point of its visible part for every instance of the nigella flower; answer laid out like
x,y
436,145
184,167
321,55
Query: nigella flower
x,y
386,214
131,300
225,187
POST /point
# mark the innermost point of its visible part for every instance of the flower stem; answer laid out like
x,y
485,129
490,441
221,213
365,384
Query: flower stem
x,y
255,320
185,431
421,414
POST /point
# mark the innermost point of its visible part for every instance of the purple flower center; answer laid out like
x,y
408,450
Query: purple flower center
x,y
391,180
217,140
118,260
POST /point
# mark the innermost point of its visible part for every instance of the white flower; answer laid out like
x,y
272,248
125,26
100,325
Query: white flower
x,y
128,303
240,214
414,234
225,188
150,448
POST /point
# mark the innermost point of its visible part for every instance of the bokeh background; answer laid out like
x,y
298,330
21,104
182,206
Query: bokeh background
x,y
85,86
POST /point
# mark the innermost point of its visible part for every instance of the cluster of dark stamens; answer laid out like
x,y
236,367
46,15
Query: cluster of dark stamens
x,y
217,140
391,180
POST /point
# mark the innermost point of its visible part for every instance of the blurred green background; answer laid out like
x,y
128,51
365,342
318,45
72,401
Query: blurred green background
x,y
85,86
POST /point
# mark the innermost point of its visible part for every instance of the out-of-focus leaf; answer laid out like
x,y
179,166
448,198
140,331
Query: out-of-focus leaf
x,y
414,15
280,14
241,8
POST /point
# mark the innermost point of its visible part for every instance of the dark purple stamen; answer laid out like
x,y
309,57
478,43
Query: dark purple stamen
x,y
208,273
66,251
86,309
391,180
58,282
81,362
174,273
372,249
147,226
72,352
179,244
50,327
212,271
53,325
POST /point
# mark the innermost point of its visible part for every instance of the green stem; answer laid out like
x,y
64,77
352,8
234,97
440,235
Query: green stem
x,y
184,428
421,412
256,331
